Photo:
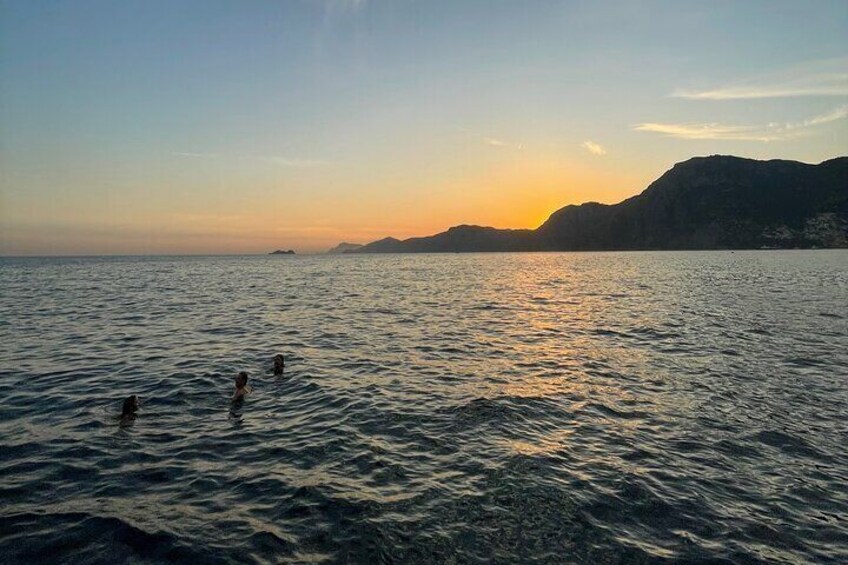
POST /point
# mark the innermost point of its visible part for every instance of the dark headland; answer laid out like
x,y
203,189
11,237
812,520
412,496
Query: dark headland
x,y
716,202
281,252
345,247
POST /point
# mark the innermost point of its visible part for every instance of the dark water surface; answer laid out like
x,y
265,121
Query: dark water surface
x,y
537,408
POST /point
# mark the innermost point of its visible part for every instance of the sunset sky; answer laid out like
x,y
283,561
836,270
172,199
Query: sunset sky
x,y
245,126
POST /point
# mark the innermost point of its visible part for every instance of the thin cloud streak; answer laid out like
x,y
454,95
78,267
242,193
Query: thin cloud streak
x,y
759,92
332,7
297,163
593,148
764,133
495,142
194,155
705,131
819,78
293,162
832,116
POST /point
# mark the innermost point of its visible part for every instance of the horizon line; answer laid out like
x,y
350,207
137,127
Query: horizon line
x,y
325,252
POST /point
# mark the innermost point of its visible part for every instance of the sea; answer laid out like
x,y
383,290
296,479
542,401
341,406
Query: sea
x,y
642,407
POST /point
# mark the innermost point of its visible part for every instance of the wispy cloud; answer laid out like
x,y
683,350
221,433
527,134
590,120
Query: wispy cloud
x,y
771,91
297,163
775,131
832,116
818,78
341,6
705,131
194,155
211,218
593,148
293,162
496,142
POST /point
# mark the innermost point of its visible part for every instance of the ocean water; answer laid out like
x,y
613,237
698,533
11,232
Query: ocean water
x,y
508,408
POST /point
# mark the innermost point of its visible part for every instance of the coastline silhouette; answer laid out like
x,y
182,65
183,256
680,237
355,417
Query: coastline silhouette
x,y
716,202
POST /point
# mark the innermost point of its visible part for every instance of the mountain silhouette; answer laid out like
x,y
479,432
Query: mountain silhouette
x,y
344,247
716,202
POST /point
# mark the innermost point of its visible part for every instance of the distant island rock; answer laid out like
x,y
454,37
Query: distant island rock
x,y
344,247
716,202
281,252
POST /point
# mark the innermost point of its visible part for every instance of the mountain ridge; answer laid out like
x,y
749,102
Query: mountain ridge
x,y
709,202
344,247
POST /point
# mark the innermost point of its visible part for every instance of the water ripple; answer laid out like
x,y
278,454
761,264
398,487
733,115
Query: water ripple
x,y
537,408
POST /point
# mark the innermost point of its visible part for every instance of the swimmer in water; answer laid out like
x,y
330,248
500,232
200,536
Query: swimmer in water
x,y
241,387
279,364
129,408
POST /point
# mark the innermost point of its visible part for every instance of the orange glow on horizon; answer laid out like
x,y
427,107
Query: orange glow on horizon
x,y
518,191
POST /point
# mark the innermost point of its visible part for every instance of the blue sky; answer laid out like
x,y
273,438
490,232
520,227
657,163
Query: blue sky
x,y
191,127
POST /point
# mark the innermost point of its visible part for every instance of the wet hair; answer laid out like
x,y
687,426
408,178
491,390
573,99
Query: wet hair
x,y
279,364
130,406
241,378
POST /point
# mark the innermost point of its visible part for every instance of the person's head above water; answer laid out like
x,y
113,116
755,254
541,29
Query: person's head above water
x,y
279,364
130,406
241,387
